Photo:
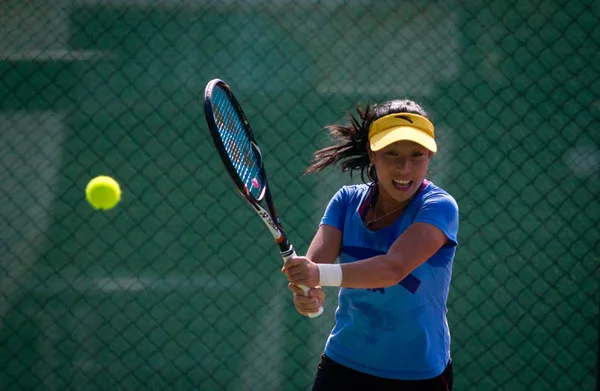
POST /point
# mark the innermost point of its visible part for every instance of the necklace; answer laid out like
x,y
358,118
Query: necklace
x,y
376,219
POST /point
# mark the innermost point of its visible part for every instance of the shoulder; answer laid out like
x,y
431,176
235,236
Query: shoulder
x,y
440,209
343,202
351,192
433,194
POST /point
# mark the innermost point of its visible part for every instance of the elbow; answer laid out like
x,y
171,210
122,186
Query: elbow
x,y
397,278
397,272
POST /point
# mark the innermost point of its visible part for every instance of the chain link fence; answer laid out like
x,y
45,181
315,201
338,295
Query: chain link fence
x,y
153,296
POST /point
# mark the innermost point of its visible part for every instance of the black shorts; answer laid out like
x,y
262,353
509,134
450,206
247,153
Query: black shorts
x,y
332,376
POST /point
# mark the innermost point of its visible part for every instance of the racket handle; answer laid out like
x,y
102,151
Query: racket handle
x,y
305,289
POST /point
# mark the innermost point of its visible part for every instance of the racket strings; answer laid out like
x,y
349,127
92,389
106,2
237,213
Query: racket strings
x,y
237,144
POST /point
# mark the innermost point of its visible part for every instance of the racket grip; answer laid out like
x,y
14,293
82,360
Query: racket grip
x,y
305,289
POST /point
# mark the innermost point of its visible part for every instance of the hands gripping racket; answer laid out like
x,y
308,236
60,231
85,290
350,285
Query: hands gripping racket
x,y
239,151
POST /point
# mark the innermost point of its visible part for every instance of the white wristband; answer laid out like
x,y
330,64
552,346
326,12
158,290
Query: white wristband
x,y
330,274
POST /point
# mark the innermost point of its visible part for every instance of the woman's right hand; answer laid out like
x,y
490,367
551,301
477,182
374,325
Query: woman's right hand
x,y
310,303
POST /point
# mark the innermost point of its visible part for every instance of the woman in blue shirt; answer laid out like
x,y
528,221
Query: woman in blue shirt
x,y
395,237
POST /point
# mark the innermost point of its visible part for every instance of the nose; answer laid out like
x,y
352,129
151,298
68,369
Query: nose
x,y
403,164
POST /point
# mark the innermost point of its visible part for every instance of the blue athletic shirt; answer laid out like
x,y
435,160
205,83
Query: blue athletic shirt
x,y
398,332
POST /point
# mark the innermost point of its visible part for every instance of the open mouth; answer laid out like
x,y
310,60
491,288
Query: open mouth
x,y
402,184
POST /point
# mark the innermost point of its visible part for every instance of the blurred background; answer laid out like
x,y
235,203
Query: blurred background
x,y
153,295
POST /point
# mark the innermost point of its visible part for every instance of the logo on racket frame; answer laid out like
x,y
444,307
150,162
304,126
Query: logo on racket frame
x,y
275,231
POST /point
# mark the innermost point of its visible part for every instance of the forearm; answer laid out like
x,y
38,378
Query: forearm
x,y
325,246
319,253
376,272
416,245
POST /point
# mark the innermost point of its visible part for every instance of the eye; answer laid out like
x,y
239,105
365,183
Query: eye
x,y
418,154
391,153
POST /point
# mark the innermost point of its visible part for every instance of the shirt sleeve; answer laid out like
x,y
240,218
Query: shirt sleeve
x,y
335,213
440,210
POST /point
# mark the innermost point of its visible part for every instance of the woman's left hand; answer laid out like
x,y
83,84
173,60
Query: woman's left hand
x,y
301,271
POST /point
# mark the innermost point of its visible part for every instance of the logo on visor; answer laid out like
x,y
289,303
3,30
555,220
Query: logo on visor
x,y
404,118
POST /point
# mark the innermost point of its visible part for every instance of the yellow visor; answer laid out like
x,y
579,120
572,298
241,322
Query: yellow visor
x,y
402,126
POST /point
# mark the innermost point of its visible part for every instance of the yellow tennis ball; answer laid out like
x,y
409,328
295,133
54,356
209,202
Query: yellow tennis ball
x,y
103,192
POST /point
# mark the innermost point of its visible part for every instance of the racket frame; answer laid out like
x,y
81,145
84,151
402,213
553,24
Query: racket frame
x,y
269,215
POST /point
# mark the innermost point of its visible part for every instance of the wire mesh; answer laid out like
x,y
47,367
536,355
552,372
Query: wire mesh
x,y
178,288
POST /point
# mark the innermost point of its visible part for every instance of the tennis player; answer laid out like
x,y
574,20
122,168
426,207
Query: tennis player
x,y
395,236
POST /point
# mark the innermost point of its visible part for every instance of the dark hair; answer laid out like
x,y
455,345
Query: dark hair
x,y
351,150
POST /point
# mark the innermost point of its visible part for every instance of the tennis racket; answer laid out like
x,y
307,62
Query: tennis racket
x,y
235,142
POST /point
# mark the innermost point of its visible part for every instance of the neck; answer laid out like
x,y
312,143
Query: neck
x,y
383,209
386,206
393,211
